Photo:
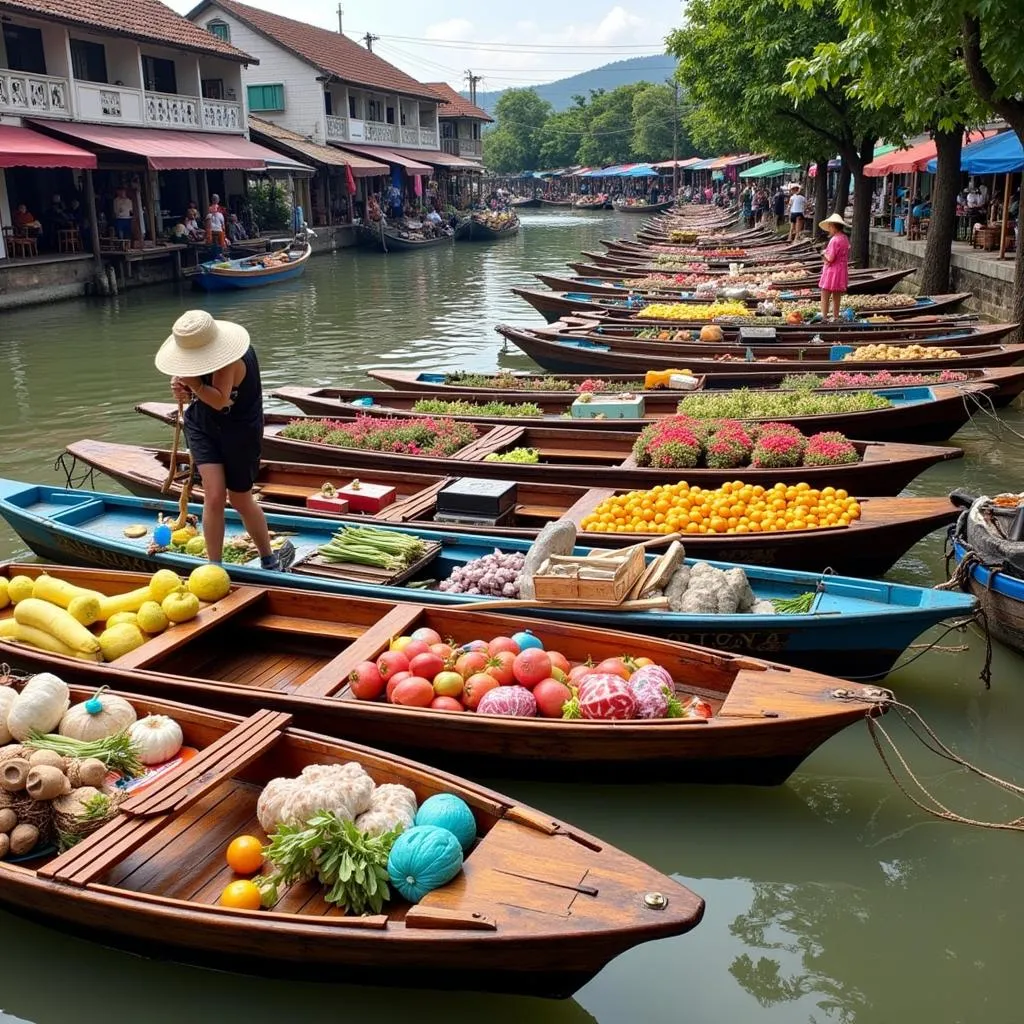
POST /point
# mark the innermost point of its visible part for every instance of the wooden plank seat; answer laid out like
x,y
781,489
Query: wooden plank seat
x,y
307,627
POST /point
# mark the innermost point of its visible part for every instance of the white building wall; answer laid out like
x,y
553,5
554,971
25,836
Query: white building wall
x,y
303,94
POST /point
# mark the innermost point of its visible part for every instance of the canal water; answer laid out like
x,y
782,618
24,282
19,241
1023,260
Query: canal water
x,y
830,900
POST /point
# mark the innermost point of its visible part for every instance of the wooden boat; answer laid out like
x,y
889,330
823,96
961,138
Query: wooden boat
x,y
386,239
593,203
765,260
916,414
480,231
574,456
595,358
874,283
524,202
887,529
150,880
87,528
299,649
253,271
648,208
1008,382
554,305
556,202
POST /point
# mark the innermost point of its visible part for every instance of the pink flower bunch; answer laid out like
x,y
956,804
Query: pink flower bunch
x,y
778,445
829,449
592,384
667,445
887,379
416,436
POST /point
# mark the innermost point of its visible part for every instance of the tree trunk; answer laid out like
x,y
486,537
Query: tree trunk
x,y
842,196
860,233
935,272
820,196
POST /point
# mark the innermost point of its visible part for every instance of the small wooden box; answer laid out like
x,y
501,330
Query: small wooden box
x,y
321,503
611,407
367,497
559,579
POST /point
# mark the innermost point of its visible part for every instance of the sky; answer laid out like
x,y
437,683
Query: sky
x,y
512,45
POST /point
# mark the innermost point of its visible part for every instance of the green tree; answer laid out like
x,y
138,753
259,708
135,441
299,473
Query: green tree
x,y
513,144
609,133
656,120
562,134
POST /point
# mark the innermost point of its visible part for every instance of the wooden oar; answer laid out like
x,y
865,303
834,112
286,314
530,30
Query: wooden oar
x,y
186,489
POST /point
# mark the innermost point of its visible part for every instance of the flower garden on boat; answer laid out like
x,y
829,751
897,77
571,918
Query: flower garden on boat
x,y
427,436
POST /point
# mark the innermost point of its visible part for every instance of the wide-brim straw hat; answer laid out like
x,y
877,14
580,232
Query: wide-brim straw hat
x,y
198,344
836,218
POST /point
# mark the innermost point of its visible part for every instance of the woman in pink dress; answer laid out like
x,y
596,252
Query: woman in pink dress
x,y
835,275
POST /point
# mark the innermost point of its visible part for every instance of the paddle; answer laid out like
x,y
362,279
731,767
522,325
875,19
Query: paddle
x,y
186,490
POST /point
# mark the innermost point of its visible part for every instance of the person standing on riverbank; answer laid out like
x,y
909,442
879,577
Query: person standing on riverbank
x,y
797,209
835,275
213,367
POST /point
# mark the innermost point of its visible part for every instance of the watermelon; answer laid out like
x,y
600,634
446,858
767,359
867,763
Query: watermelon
x,y
606,697
508,700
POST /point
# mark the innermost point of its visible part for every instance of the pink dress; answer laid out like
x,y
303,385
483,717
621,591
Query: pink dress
x,y
835,276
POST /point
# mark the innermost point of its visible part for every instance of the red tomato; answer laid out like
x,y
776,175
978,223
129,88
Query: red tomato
x,y
613,667
550,695
393,681
365,681
391,662
443,651
446,704
427,635
560,661
427,664
476,686
502,643
531,666
578,672
448,684
414,647
471,663
414,692
500,666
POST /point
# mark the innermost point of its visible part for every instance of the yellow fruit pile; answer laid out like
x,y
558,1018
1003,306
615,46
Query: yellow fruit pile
x,y
899,352
56,616
734,507
692,310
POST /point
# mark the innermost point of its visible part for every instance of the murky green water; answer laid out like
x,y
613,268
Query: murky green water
x,y
831,899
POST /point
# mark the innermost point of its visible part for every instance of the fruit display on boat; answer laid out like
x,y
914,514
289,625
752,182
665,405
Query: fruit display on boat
x,y
692,310
898,353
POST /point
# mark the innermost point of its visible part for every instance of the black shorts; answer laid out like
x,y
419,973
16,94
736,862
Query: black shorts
x,y
793,217
236,449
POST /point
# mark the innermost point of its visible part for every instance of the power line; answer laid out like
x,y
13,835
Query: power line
x,y
370,40
592,48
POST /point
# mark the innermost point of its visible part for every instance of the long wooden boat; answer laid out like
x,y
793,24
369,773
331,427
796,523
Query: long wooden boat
x,y
524,202
999,594
150,879
574,456
595,358
591,272
554,305
887,529
566,203
253,271
765,260
875,283
592,203
647,208
480,231
916,414
386,239
1008,382
87,528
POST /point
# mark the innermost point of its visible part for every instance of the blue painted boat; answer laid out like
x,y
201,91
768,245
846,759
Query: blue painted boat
x,y
856,628
253,271
999,594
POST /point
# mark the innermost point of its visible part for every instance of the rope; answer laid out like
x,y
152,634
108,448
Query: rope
x,y
878,700
983,403
86,477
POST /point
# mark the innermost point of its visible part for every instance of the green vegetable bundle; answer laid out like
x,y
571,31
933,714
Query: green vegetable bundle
x,y
746,404
459,408
366,545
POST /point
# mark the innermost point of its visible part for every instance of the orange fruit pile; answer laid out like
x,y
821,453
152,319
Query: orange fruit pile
x,y
734,507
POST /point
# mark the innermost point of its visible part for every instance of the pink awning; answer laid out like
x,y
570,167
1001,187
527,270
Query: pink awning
x,y
392,156
171,150
906,161
22,147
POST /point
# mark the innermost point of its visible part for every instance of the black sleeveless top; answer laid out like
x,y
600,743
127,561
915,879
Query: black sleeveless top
x,y
246,410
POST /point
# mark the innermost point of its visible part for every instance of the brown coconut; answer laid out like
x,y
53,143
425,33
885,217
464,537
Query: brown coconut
x,y
89,771
32,812
24,839
14,773
45,782
50,757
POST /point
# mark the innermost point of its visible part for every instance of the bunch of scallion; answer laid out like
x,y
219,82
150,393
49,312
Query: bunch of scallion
x,y
799,605
365,545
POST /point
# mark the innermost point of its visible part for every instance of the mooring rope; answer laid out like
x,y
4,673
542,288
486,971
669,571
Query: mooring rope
x,y
983,404
876,699
87,476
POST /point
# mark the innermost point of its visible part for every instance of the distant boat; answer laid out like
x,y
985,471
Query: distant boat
x,y
254,271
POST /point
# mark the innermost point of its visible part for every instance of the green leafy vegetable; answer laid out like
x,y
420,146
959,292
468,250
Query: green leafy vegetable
x,y
117,752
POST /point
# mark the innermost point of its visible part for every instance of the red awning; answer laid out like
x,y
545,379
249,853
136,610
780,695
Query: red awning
x,y
436,158
22,147
906,161
392,156
171,150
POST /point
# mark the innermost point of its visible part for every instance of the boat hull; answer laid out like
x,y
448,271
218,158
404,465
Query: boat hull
x,y
212,279
1001,597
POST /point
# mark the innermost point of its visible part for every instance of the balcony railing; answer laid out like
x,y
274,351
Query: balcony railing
x,y
222,116
164,110
337,128
36,95
468,149
428,138
352,129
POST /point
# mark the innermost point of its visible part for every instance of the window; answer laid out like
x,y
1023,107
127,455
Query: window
x,y
328,104
213,88
266,97
375,110
390,118
158,75
89,61
219,29
24,48
352,106
446,130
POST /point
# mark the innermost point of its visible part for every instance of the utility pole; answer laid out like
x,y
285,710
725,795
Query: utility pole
x,y
340,30
675,138
472,79
370,38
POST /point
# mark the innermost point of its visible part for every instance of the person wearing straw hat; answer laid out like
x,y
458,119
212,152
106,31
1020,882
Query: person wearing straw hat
x,y
835,275
213,367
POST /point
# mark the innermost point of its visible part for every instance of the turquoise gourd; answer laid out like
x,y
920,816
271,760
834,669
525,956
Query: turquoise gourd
x,y
423,858
446,810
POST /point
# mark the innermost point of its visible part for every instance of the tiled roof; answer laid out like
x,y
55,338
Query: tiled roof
x,y
145,20
361,166
454,105
330,52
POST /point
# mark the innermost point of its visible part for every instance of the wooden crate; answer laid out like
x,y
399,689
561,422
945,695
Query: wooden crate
x,y
569,586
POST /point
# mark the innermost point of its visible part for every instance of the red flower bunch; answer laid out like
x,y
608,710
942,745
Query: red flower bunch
x,y
778,445
668,444
829,449
415,436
